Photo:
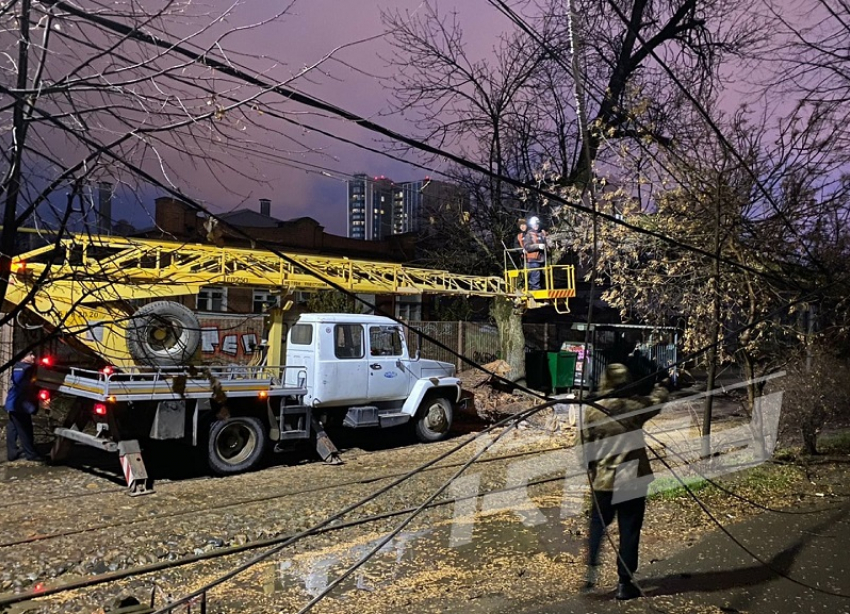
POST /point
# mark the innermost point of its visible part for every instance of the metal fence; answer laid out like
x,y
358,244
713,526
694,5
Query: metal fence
x,y
479,341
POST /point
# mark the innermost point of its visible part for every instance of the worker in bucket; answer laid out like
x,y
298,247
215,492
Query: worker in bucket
x,y
534,245
522,224
619,471
21,404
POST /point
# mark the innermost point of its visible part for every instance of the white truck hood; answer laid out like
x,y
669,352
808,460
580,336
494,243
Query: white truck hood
x,y
424,368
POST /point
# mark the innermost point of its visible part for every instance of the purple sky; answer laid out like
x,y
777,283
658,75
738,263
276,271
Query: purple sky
x,y
313,29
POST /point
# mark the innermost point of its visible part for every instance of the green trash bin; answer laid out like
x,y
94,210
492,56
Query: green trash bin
x,y
537,370
562,367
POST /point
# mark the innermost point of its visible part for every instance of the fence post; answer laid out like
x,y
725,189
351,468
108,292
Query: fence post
x,y
7,350
460,353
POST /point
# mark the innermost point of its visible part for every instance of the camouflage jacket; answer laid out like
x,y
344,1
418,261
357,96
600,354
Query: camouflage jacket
x,y
619,439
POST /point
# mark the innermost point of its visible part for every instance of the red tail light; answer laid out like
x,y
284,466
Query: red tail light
x,y
100,409
44,395
107,370
46,361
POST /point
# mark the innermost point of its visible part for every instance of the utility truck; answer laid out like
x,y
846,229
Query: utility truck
x,y
105,295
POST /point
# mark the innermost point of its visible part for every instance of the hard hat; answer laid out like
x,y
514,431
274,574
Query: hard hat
x,y
534,221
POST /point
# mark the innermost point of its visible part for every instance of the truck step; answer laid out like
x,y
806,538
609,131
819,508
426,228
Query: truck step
x,y
361,417
393,419
294,435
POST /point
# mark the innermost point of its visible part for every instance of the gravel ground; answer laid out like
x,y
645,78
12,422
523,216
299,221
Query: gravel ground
x,y
69,523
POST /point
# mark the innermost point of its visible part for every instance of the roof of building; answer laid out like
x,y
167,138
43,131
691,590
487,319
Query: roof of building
x,y
250,218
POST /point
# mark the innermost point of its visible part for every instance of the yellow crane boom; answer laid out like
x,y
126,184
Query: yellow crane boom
x,y
85,284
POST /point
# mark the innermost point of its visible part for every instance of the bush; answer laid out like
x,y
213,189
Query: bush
x,y
817,393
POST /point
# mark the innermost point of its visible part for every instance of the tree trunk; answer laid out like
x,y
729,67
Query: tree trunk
x,y
10,188
511,336
714,338
756,420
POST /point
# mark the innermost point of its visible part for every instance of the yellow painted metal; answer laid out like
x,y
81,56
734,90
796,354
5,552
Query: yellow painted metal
x,y
86,285
558,283
134,261
276,331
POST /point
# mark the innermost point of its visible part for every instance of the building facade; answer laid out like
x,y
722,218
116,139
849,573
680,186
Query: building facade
x,y
370,207
378,207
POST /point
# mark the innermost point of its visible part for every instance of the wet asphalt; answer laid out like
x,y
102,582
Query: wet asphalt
x,y
799,563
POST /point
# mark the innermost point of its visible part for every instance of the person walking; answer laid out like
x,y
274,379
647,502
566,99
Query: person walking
x,y
21,404
619,471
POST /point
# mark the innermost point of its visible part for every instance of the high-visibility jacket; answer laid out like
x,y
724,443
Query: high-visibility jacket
x,y
531,242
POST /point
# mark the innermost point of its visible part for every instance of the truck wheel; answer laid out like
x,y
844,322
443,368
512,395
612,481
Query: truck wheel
x,y
163,334
236,444
434,419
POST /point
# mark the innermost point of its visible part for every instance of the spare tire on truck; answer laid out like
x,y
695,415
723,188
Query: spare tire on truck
x,y
163,334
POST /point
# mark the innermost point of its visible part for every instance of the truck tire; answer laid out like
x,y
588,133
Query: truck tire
x,y
434,419
236,444
163,334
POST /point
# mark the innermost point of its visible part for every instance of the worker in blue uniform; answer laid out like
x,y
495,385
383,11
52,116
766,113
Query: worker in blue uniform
x,y
21,404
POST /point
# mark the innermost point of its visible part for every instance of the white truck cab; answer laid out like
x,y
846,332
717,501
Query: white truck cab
x,y
358,369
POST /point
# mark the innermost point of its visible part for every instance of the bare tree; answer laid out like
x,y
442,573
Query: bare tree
x,y
513,113
135,96
732,252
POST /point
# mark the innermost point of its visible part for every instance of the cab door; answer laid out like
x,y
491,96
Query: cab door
x,y
387,377
342,371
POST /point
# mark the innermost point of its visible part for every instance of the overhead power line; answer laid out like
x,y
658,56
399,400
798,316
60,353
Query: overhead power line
x,y
230,69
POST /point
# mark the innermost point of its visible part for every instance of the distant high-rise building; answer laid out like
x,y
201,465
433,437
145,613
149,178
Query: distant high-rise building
x,y
370,207
407,203
377,207
416,202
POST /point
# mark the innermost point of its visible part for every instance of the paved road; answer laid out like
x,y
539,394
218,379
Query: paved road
x,y
811,549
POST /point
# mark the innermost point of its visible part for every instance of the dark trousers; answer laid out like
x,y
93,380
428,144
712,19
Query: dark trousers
x,y
20,428
630,520
534,274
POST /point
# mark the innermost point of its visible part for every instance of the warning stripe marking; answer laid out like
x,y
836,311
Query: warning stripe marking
x,y
128,469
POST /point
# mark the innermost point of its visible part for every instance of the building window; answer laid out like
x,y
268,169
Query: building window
x,y
212,298
408,309
263,299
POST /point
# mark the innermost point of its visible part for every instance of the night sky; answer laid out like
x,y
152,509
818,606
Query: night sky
x,y
310,31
